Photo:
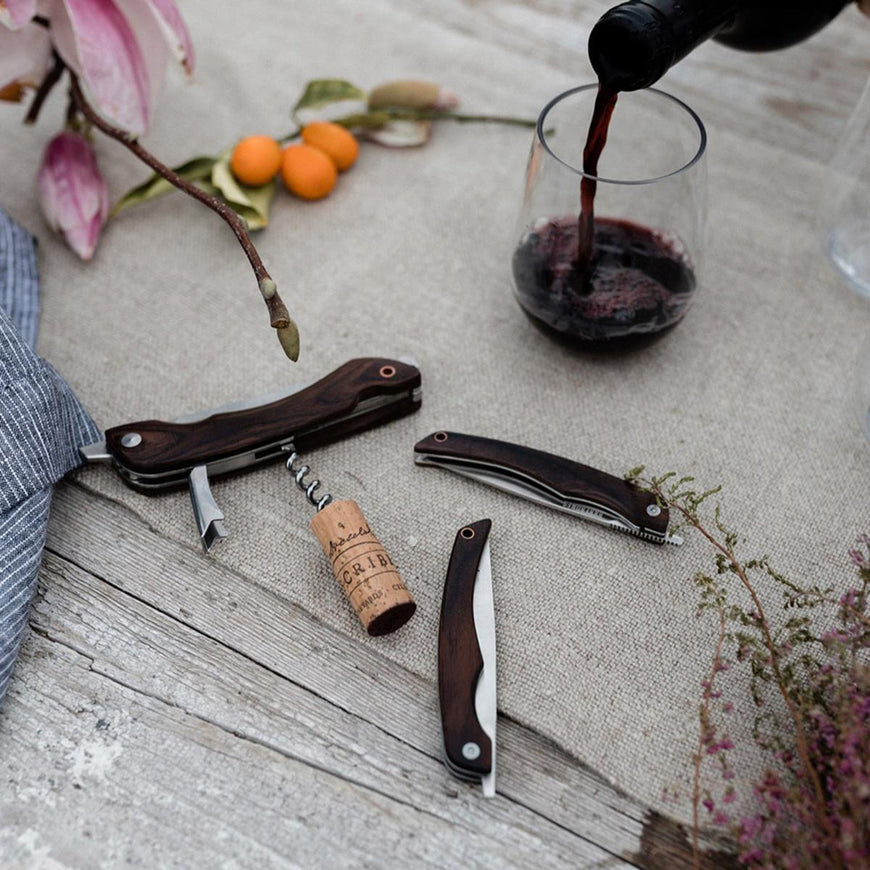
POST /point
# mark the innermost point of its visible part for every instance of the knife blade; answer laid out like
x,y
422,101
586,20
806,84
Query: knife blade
x,y
155,455
466,659
550,480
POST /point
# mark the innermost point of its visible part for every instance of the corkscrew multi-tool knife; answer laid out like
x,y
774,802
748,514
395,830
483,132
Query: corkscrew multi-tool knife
x,y
154,455
466,659
550,480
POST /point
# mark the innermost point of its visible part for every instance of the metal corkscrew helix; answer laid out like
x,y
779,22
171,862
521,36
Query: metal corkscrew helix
x,y
308,488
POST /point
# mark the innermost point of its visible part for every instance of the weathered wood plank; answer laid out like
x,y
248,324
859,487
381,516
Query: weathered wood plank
x,y
168,691
123,779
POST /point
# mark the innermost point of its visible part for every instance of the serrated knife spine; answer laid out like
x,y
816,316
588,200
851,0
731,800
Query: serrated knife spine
x,y
554,481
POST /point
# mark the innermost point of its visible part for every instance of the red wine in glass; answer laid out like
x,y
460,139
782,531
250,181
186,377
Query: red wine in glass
x,y
637,282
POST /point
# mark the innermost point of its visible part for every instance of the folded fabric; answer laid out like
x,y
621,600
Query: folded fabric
x,y
42,426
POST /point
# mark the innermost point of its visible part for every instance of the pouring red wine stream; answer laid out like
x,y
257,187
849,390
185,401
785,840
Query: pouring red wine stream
x,y
596,139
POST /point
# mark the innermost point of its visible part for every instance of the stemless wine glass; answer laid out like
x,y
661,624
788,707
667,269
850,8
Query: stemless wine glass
x,y
637,274
845,220
845,211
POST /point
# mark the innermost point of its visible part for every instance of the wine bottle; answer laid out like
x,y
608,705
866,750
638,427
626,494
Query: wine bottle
x,y
635,43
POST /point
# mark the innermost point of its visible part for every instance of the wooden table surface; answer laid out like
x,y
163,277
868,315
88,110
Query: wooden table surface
x,y
166,713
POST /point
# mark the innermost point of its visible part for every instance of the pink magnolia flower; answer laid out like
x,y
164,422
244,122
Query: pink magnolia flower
x,y
119,49
72,192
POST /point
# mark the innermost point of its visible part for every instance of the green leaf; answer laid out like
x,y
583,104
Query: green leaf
x,y
632,475
261,201
322,92
196,169
251,203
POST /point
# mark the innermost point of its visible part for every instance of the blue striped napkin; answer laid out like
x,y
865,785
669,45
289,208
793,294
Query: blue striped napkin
x,y
42,425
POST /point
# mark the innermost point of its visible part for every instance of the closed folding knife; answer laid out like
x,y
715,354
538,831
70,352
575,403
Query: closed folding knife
x,y
550,480
155,455
466,659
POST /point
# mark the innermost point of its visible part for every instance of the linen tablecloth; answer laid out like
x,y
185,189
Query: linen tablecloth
x,y
599,646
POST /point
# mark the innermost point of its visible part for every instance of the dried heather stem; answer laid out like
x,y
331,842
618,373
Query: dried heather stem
x,y
775,664
705,727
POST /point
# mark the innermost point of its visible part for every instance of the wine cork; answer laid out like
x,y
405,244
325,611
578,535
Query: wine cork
x,y
362,567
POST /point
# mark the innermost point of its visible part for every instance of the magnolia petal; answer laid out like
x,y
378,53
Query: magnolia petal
x,y
176,32
14,14
25,55
150,36
73,194
97,42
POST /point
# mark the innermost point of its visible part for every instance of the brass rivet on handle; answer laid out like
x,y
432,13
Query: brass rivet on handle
x,y
467,533
440,437
387,371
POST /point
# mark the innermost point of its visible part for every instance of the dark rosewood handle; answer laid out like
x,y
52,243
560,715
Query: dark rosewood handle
x,y
567,478
459,658
166,447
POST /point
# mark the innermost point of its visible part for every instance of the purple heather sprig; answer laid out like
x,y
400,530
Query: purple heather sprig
x,y
812,802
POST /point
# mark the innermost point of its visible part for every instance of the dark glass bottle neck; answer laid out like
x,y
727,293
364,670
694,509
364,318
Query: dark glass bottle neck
x,y
635,43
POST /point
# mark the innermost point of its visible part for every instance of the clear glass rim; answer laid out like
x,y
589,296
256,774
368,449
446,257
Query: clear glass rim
x,y
690,112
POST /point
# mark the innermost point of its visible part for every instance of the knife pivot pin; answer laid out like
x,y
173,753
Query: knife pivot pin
x,y
471,751
308,488
131,439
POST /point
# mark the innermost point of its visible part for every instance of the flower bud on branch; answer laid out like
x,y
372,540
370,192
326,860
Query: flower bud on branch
x,y
73,194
